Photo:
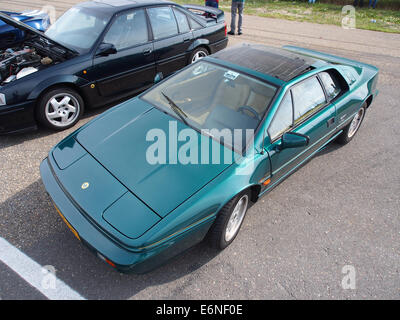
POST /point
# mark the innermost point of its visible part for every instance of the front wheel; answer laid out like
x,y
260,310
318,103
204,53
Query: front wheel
x,y
228,222
351,129
60,108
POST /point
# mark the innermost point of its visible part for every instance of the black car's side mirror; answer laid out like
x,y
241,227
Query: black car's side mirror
x,y
106,49
293,140
159,76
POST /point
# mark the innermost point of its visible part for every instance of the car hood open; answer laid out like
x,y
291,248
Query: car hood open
x,y
117,140
31,31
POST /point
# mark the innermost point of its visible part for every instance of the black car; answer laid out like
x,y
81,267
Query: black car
x,y
98,52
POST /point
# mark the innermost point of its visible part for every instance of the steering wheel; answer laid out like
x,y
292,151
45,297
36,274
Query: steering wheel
x,y
251,110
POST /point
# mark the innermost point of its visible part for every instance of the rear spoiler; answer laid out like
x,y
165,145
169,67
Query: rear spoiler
x,y
209,12
329,57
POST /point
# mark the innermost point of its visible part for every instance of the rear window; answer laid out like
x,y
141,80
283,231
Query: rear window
x,y
331,85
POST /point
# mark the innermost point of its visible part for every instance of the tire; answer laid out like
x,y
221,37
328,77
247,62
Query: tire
x,y
351,129
197,54
223,232
60,109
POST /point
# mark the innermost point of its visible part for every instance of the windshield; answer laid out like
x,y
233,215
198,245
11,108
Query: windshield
x,y
78,28
215,98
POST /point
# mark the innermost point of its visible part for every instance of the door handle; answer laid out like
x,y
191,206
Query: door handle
x,y
330,122
186,39
146,52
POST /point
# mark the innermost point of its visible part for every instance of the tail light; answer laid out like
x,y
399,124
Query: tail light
x,y
226,30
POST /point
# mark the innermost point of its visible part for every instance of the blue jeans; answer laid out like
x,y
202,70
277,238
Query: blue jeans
x,y
237,7
311,1
210,3
373,3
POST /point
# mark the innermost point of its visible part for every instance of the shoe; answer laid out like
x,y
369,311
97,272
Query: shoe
x,y
239,33
231,33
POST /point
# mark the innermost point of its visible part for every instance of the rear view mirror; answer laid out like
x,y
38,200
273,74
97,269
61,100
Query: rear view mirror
x,y
293,140
106,49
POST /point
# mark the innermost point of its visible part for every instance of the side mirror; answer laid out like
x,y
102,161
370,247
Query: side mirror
x,y
106,49
293,140
159,76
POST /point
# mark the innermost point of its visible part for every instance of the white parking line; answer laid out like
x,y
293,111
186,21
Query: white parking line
x,y
34,274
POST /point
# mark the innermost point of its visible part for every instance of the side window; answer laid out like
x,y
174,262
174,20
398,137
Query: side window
x,y
331,85
128,30
183,23
163,22
283,117
308,97
194,25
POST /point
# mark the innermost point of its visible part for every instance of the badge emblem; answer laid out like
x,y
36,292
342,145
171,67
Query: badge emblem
x,y
85,185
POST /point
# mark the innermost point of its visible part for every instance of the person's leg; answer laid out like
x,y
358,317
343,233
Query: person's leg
x,y
240,9
361,3
355,3
374,4
233,16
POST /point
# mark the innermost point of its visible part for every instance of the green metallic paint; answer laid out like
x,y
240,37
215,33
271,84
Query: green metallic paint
x,y
171,208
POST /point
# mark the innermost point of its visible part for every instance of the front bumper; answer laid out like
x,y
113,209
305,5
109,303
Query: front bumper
x,y
17,118
97,241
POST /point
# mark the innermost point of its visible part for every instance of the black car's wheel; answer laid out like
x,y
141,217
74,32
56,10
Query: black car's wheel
x,y
351,129
228,222
198,54
60,108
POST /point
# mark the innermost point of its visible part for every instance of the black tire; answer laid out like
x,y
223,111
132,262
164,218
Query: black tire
x,y
216,236
45,108
198,51
349,131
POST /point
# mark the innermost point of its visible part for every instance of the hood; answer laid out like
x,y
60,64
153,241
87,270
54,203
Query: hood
x,y
117,140
37,19
18,24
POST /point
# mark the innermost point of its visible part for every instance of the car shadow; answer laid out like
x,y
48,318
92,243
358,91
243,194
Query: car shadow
x,y
10,140
330,147
30,222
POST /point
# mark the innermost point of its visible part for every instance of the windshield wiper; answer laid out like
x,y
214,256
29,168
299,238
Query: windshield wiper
x,y
176,109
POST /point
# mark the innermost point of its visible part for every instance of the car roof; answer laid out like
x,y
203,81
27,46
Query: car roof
x,y
275,62
115,6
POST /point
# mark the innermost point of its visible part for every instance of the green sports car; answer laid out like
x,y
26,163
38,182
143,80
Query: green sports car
x,y
182,161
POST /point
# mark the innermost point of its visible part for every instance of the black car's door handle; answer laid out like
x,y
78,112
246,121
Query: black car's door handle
x,y
186,39
146,52
330,122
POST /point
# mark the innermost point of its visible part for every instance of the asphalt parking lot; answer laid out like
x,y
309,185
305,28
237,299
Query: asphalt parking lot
x,y
342,208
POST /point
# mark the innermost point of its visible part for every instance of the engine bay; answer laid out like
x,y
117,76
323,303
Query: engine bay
x,y
16,63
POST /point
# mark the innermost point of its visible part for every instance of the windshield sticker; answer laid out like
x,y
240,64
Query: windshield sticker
x,y
231,75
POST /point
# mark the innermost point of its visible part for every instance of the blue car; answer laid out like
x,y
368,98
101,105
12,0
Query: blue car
x,y
36,19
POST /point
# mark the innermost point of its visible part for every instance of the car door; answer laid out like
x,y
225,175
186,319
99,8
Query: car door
x,y
170,42
132,67
304,110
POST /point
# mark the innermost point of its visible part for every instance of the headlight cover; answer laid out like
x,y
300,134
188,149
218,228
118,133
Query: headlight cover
x,y
3,101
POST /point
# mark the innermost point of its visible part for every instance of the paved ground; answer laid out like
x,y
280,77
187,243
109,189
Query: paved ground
x,y
342,208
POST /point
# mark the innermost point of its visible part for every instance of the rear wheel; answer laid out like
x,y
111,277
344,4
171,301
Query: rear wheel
x,y
351,129
60,108
198,54
228,222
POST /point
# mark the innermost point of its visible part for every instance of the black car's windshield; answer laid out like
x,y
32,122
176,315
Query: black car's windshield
x,y
78,28
215,98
